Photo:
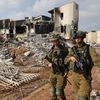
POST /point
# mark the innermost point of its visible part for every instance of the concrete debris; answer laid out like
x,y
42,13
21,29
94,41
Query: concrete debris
x,y
22,78
9,72
14,77
21,60
32,69
32,51
36,44
14,52
27,53
39,45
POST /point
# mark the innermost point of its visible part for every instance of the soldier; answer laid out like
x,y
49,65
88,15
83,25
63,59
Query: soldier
x,y
58,70
81,78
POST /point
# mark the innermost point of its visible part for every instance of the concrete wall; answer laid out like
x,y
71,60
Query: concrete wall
x,y
57,18
93,37
70,13
4,31
98,37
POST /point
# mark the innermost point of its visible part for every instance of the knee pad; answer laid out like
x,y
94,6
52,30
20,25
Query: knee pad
x,y
53,91
54,98
61,98
59,92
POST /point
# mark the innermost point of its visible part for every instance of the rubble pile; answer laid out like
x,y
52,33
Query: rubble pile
x,y
36,45
12,76
19,55
32,49
40,45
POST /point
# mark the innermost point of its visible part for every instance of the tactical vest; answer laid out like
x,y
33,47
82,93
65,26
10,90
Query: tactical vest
x,y
84,55
56,57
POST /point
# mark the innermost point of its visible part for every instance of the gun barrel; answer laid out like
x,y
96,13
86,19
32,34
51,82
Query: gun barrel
x,y
79,62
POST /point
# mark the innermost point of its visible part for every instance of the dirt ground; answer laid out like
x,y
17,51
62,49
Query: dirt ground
x,y
18,93
44,94
39,89
40,94
36,90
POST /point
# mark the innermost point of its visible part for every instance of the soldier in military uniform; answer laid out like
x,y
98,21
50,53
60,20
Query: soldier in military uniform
x,y
58,70
81,78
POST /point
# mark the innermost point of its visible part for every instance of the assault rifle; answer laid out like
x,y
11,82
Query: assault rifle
x,y
54,67
79,63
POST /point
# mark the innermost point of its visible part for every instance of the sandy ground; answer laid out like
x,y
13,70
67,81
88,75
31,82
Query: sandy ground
x,y
43,94
17,93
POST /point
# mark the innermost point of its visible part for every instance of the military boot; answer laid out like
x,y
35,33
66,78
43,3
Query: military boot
x,y
61,97
53,98
82,98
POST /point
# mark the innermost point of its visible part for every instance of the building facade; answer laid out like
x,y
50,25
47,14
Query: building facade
x,y
93,37
63,20
98,37
4,26
40,24
66,18
43,24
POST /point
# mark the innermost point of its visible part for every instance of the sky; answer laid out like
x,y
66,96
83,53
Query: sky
x,y
89,14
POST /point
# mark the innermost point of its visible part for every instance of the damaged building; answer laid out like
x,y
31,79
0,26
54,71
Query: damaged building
x,y
8,27
93,37
43,24
4,28
63,20
40,24
17,27
66,18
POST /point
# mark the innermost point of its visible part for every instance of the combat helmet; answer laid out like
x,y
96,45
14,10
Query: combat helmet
x,y
80,34
55,37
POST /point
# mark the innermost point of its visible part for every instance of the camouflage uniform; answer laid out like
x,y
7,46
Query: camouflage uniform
x,y
81,79
57,80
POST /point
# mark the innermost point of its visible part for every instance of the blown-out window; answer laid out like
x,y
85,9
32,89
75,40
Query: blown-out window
x,y
76,7
61,15
62,29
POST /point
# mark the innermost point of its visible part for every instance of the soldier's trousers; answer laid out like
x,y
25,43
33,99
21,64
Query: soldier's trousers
x,y
58,83
81,85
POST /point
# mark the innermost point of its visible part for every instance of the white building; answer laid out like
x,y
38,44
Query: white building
x,y
93,37
65,17
98,37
